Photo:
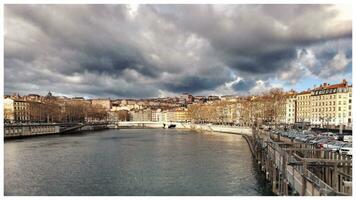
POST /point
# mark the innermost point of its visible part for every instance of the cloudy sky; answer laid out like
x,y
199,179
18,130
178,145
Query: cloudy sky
x,y
164,50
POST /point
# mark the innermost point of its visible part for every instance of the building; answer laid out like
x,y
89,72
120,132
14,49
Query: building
x,y
180,115
33,97
119,115
186,98
104,103
16,110
141,115
227,112
199,99
291,100
325,105
213,98
332,104
230,98
303,106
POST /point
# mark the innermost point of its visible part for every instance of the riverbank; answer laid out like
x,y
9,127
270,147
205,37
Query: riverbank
x,y
32,130
188,126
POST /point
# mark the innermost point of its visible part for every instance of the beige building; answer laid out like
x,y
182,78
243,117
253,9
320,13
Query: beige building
x,y
229,112
181,115
325,105
332,104
105,103
141,115
303,106
16,110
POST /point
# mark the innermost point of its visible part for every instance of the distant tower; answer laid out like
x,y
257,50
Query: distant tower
x,y
49,94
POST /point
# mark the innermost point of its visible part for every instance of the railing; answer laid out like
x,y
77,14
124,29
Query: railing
x,y
276,153
324,188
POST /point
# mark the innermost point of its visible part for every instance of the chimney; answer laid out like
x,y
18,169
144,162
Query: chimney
x,y
344,81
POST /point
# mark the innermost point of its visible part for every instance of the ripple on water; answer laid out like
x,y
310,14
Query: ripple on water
x,y
132,162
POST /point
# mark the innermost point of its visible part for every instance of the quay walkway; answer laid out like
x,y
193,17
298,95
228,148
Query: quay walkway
x,y
184,125
299,168
36,129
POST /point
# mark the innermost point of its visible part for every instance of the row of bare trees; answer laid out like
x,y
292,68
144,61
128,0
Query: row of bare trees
x,y
217,112
267,107
53,110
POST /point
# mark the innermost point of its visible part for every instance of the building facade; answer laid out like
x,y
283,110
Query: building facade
x,y
325,105
16,110
290,109
332,104
303,106
105,103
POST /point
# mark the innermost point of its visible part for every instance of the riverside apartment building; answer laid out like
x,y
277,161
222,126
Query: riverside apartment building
x,y
325,105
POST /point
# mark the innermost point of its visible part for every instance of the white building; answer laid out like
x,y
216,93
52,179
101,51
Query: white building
x,y
290,109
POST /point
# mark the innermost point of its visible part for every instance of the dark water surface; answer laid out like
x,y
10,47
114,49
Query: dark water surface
x,y
132,162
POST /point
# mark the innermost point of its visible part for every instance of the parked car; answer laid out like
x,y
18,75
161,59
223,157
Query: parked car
x,y
346,149
321,142
334,145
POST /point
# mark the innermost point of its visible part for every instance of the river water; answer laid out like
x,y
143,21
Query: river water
x,y
132,162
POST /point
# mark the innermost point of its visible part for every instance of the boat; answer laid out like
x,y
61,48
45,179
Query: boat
x,y
172,126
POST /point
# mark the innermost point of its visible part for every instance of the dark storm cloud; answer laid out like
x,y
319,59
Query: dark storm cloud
x,y
259,38
263,63
194,84
122,51
243,85
349,53
90,40
329,58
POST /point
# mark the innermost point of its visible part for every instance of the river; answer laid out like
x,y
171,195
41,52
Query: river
x,y
132,162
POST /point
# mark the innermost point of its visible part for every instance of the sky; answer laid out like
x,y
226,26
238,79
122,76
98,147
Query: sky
x,y
143,51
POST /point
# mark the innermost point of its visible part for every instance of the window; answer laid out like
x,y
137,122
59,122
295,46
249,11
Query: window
x,y
339,108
